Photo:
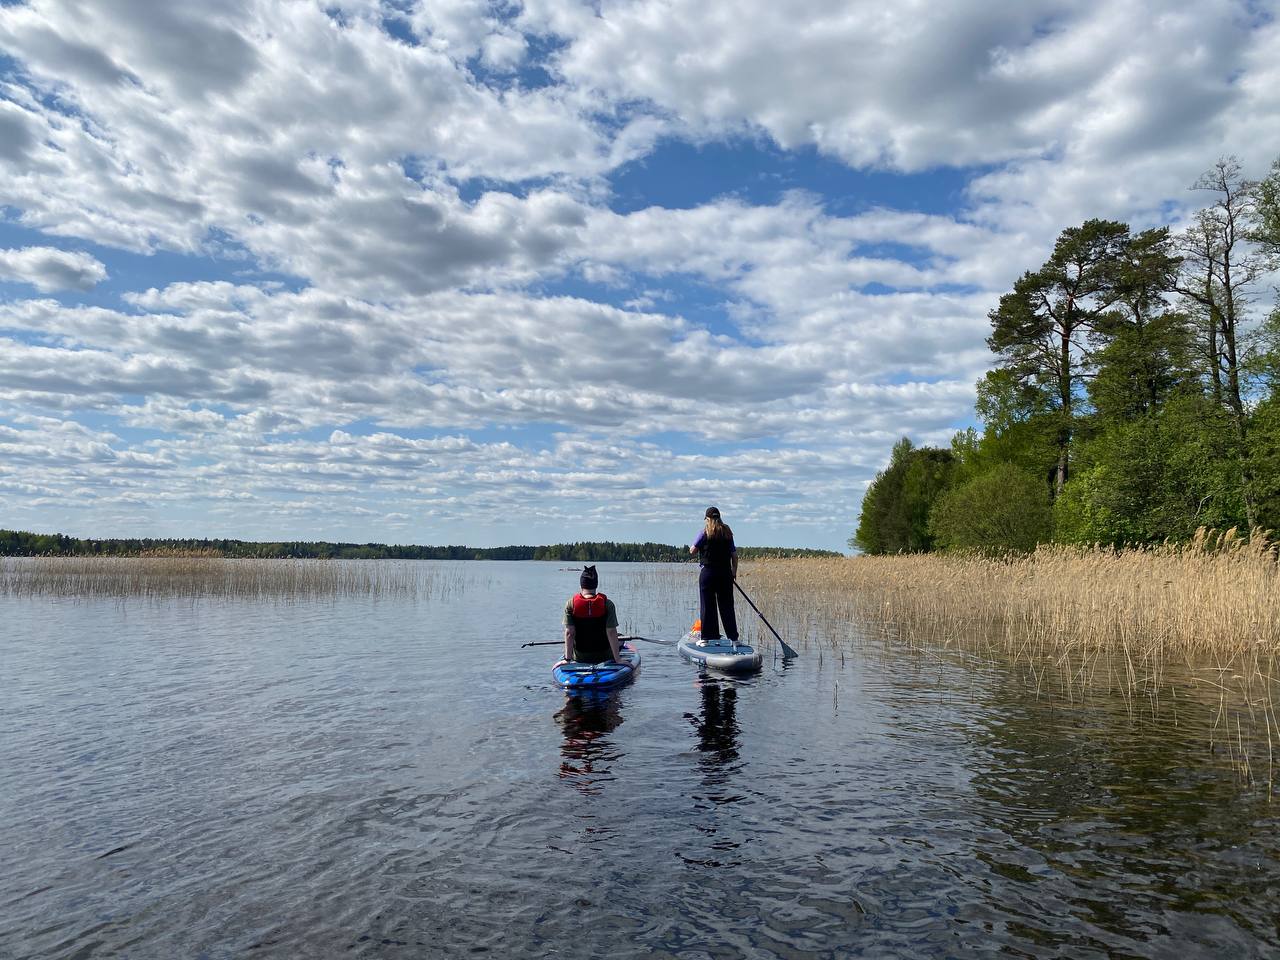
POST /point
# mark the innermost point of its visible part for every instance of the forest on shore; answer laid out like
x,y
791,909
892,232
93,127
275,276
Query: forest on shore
x,y
16,543
1134,397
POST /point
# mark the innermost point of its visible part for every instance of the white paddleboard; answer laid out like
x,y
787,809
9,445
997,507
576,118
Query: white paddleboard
x,y
720,654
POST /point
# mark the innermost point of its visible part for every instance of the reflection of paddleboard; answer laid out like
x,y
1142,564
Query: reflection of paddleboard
x,y
720,654
573,675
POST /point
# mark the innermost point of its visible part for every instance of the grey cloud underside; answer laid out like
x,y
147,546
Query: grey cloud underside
x,y
48,268
16,138
194,49
904,86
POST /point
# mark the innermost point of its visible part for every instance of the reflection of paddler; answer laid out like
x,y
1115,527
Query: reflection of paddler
x,y
586,720
718,726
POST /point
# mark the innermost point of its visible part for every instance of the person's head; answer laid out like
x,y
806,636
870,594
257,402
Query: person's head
x,y
589,580
714,525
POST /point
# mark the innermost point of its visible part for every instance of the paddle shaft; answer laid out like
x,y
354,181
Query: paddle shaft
x,y
786,650
560,643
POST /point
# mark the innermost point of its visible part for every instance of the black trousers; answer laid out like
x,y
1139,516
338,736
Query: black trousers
x,y
715,590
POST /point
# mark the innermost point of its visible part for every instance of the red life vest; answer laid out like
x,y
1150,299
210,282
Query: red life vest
x,y
589,607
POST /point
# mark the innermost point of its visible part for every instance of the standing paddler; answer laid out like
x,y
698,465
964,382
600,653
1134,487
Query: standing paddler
x,y
719,560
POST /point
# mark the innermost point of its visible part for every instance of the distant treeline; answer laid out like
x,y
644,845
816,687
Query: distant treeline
x,y
16,543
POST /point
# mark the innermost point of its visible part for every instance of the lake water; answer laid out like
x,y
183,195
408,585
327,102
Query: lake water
x,y
396,778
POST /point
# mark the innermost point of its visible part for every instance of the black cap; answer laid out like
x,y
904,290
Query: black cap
x,y
589,579
713,512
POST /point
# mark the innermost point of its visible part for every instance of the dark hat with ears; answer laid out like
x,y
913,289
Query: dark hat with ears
x,y
713,512
589,579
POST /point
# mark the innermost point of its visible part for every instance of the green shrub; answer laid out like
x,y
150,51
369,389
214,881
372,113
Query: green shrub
x,y
1002,510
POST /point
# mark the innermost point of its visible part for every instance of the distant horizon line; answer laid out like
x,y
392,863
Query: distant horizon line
x,y
27,543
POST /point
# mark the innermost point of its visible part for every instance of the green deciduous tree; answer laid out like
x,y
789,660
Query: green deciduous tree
x,y
1156,477
895,509
1265,229
1220,270
1020,428
1004,509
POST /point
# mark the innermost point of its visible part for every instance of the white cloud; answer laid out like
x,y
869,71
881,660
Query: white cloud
x,y
288,360
914,85
154,128
422,185
464,29
49,269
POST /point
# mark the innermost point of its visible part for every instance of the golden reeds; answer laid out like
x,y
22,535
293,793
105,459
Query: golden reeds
x,y
1216,598
200,575
1176,624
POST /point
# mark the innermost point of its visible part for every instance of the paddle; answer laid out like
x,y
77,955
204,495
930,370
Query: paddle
x,y
560,643
787,651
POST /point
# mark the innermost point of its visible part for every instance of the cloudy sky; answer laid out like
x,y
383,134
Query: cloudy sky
x,y
542,270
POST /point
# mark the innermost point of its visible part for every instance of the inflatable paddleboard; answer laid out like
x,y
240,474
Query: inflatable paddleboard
x,y
573,675
720,654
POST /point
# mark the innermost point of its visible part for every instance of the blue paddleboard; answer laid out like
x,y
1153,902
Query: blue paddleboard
x,y
597,676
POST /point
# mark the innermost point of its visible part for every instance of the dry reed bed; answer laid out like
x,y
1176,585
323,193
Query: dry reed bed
x,y
218,578
1217,598
1192,628
1208,610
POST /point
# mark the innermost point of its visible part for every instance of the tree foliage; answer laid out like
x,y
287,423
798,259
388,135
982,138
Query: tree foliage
x,y
1039,330
895,509
1157,477
1134,395
1003,510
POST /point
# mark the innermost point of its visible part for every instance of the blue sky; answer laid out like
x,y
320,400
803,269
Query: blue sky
x,y
539,271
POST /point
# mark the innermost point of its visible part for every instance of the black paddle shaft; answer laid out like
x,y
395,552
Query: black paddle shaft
x,y
556,643
786,650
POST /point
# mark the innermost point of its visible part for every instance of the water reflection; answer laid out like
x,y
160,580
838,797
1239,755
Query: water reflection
x,y
718,745
1084,799
717,727
587,752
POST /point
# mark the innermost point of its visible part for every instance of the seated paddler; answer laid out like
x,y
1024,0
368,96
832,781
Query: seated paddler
x,y
590,623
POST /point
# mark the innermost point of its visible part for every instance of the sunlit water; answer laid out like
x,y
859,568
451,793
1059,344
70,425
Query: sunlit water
x,y
397,778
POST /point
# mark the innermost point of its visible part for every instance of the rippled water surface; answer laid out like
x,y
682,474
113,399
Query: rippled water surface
x,y
396,778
